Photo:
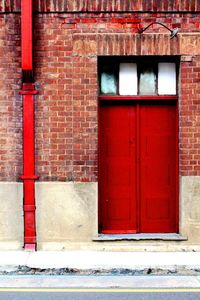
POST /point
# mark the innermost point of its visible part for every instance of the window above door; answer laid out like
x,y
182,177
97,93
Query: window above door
x,y
129,77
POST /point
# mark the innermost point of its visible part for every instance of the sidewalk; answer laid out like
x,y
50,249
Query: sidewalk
x,y
94,262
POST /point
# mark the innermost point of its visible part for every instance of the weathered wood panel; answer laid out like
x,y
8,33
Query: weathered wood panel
x,y
104,5
117,5
10,5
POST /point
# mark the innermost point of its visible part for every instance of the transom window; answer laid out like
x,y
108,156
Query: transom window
x,y
131,77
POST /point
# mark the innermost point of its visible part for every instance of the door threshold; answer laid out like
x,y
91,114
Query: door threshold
x,y
140,236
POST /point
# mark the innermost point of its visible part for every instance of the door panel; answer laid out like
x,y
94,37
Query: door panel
x,y
137,167
117,168
157,168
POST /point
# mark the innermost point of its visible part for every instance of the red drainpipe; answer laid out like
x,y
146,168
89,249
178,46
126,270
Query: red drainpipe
x,y
28,91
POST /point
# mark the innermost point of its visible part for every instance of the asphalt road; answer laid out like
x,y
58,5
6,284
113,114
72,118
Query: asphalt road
x,y
100,294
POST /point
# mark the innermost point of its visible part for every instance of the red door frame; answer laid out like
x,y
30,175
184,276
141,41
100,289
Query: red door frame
x,y
137,99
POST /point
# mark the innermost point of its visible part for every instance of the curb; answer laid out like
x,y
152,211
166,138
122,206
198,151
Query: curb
x,y
139,271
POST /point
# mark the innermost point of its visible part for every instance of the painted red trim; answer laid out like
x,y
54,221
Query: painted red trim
x,y
29,177
118,231
177,167
99,159
26,34
139,98
138,166
28,92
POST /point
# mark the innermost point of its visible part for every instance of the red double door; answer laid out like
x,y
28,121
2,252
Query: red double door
x,y
137,167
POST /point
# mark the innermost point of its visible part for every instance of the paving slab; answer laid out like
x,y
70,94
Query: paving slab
x,y
96,261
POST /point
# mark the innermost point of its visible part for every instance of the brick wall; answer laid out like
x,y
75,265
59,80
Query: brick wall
x,y
66,110
66,47
190,117
10,102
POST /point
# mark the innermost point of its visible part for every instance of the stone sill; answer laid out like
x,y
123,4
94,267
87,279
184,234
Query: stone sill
x,y
140,236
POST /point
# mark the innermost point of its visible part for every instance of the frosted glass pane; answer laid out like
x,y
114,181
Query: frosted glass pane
x,y
166,79
108,83
128,79
147,84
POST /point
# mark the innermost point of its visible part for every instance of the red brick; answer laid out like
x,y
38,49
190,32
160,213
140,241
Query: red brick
x,y
65,59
